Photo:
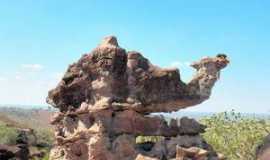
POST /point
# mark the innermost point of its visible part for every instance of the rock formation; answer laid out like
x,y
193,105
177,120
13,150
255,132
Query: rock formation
x,y
18,152
105,101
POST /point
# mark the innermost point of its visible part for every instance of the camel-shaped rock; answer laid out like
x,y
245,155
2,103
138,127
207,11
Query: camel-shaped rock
x,y
111,78
105,99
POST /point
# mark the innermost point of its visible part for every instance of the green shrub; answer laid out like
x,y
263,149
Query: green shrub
x,y
45,136
7,135
46,157
144,139
234,135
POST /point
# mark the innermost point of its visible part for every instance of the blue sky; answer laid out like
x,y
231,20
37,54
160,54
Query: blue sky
x,y
38,39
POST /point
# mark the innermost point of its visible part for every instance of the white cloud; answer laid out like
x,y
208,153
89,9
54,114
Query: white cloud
x,y
32,67
179,64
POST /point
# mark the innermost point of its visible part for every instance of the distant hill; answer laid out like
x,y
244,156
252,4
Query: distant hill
x,y
10,122
200,115
26,118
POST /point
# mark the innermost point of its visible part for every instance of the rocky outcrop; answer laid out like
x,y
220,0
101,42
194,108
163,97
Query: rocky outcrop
x,y
105,99
18,152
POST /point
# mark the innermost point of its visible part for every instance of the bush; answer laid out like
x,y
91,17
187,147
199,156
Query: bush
x,y
144,139
8,135
234,135
45,136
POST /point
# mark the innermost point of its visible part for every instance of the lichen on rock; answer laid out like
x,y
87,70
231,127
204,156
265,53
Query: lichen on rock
x,y
105,99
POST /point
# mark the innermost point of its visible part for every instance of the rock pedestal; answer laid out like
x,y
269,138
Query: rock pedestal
x,y
105,99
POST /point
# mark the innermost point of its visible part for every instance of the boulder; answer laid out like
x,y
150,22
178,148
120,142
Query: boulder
x,y
20,152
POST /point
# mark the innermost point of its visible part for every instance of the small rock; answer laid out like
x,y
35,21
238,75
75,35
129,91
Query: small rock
x,y
190,127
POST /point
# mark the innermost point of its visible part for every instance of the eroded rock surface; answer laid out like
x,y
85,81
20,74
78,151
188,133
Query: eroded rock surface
x,y
104,102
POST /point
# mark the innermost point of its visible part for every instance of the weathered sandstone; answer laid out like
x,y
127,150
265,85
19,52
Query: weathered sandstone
x,y
105,100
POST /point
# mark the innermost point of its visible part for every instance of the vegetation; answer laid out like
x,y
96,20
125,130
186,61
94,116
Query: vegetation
x,y
235,135
44,136
144,139
7,135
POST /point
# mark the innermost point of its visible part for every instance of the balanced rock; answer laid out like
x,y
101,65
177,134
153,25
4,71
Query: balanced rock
x,y
105,99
